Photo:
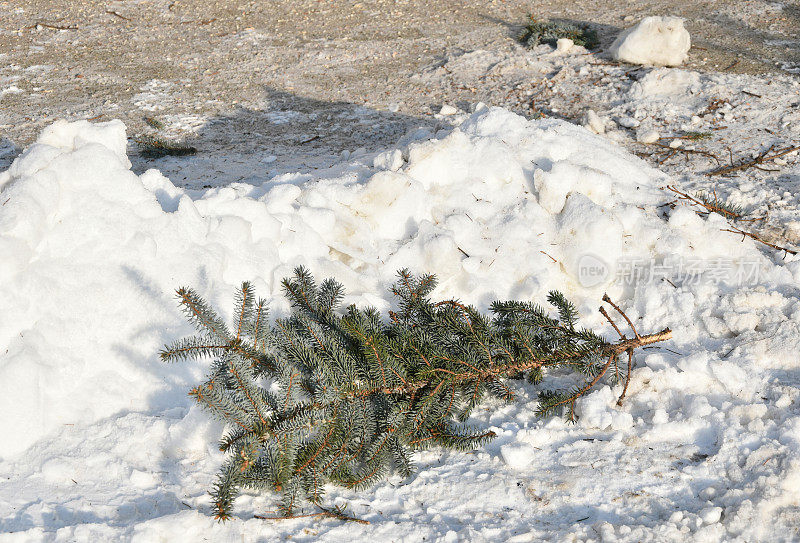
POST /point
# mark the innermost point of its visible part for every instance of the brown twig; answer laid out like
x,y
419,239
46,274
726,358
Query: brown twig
x,y
628,345
550,257
627,377
613,324
670,282
115,14
618,310
671,151
758,238
731,65
713,105
336,512
754,162
52,26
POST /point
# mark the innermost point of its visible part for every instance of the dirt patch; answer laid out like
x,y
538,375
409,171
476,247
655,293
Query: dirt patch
x,y
220,72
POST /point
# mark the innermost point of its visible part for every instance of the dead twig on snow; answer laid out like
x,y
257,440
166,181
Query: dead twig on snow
x,y
337,513
672,151
762,158
756,237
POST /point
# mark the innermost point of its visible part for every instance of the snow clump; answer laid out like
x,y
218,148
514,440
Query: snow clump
x,y
655,41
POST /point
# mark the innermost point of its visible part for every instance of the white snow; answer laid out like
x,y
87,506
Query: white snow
x,y
594,123
648,136
101,443
564,45
654,41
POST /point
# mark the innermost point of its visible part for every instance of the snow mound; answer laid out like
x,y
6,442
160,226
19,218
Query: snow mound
x,y
93,250
657,41
499,207
667,85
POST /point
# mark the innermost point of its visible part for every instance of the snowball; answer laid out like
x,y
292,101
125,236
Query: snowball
x,y
564,45
598,410
647,136
658,41
594,123
388,160
627,122
660,417
517,456
710,515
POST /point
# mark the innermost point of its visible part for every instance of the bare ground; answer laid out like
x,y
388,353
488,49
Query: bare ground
x,y
221,72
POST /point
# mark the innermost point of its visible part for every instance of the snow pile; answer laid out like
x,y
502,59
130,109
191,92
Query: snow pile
x,y
499,207
656,41
94,250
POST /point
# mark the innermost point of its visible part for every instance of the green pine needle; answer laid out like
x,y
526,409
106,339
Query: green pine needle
x,y
542,31
346,397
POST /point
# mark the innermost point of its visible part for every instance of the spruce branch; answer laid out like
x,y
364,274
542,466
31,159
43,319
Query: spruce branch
x,y
711,203
325,396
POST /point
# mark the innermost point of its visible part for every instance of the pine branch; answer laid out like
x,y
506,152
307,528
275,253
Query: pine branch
x,y
541,31
710,203
346,398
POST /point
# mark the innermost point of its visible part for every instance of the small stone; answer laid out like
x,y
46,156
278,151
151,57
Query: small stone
x,y
447,109
674,144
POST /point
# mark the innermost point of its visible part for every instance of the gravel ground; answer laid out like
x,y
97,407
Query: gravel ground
x,y
302,81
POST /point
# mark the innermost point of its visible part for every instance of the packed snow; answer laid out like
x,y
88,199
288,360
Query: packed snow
x,y
654,41
101,441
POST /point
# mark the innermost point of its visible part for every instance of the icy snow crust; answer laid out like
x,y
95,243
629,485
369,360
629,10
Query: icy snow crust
x,y
100,441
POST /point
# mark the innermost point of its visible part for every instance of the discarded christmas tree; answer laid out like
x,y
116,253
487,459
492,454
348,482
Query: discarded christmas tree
x,y
322,397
